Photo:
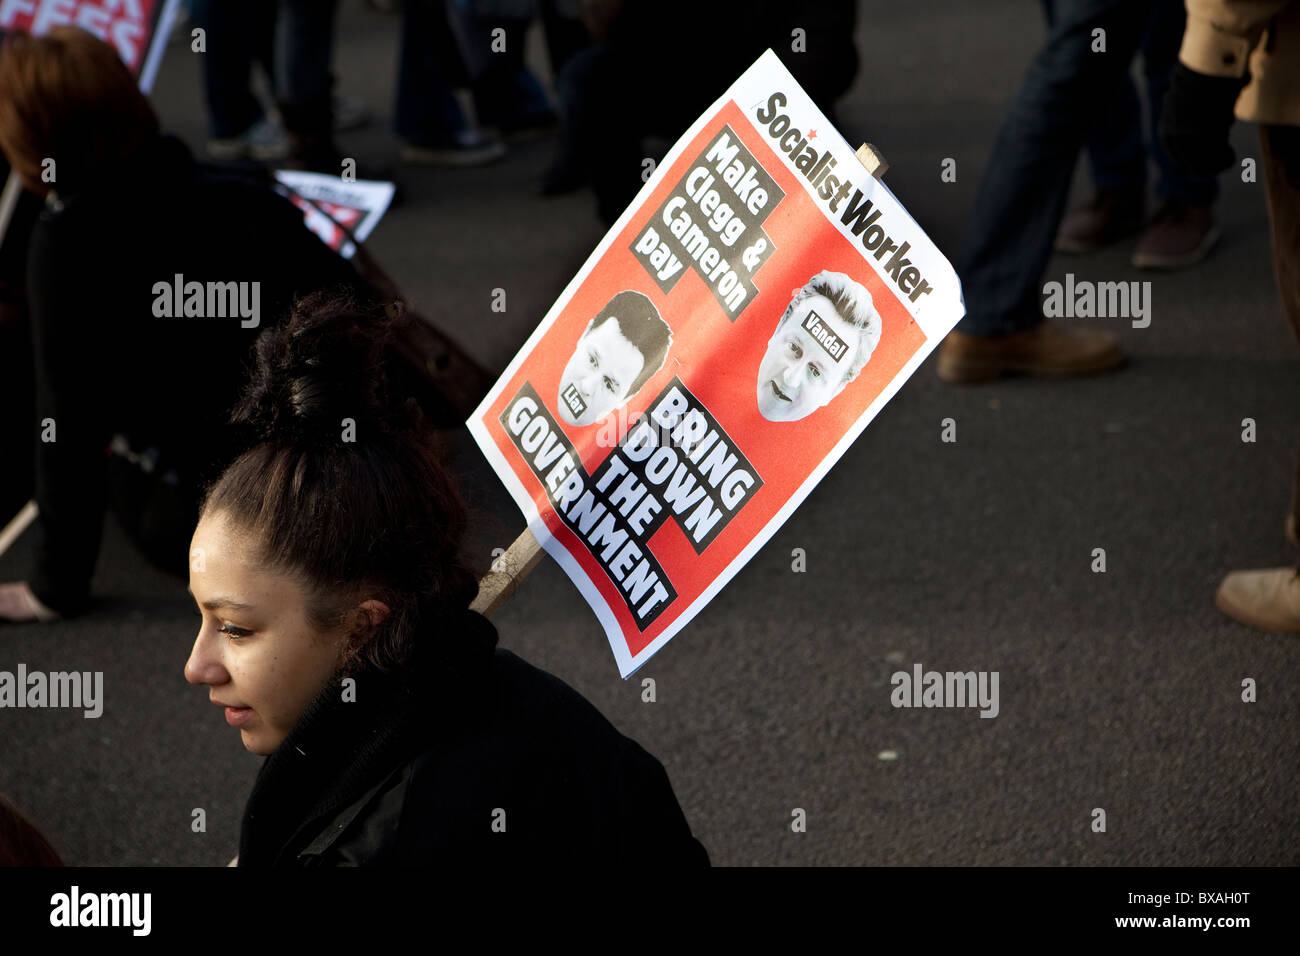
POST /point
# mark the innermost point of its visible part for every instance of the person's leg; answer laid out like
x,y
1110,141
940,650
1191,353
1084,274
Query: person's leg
x,y
1183,230
1269,599
1281,154
1117,161
1025,185
19,430
304,84
426,111
602,136
1116,156
506,94
235,35
157,513
570,169
1159,57
566,35
427,117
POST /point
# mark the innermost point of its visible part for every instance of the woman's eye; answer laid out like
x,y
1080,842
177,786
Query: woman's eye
x,y
816,372
233,631
609,385
591,359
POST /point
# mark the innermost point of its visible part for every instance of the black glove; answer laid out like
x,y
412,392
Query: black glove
x,y
1196,120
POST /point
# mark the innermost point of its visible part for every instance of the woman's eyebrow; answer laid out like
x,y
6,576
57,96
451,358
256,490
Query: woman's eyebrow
x,y
216,602
220,601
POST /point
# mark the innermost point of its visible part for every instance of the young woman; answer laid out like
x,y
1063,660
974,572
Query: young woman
x,y
336,637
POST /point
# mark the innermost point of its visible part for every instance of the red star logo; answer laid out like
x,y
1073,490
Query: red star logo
x,y
812,134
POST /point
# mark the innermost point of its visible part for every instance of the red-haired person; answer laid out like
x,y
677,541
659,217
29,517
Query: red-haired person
x,y
116,362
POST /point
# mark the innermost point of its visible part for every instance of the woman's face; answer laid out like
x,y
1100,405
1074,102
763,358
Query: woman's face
x,y
255,650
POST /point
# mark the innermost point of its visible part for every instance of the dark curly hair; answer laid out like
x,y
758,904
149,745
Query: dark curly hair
x,y
341,487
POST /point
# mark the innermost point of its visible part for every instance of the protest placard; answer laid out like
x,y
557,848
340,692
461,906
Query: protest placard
x,y
136,29
338,207
739,326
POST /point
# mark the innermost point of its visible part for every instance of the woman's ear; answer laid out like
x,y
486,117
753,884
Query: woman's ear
x,y
376,612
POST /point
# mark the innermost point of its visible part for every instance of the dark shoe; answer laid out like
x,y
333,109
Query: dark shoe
x,y
1179,236
1268,600
1046,349
468,148
563,176
1107,217
528,128
265,141
350,113
312,153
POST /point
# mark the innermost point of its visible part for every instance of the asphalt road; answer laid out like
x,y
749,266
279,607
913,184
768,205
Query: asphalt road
x,y
1118,690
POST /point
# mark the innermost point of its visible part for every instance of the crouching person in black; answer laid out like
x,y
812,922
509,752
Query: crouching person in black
x,y
148,278
336,635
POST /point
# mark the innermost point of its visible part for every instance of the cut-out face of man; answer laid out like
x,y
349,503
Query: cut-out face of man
x,y
807,360
600,374
623,346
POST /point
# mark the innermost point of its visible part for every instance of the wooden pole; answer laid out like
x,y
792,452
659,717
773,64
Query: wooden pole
x,y
873,159
506,574
509,570
17,526
9,202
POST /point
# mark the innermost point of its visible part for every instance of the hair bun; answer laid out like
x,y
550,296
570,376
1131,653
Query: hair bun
x,y
322,367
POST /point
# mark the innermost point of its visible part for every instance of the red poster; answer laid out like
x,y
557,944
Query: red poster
x,y
736,329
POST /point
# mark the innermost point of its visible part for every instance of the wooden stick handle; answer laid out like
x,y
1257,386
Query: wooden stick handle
x,y
507,571
17,526
873,159
8,203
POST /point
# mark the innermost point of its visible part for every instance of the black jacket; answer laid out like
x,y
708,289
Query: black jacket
x,y
105,364
471,757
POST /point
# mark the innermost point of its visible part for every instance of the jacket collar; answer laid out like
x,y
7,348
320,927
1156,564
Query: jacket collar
x,y
341,747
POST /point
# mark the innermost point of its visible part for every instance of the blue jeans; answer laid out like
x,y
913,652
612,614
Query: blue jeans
x,y
1116,149
292,41
427,112
1023,193
239,33
304,49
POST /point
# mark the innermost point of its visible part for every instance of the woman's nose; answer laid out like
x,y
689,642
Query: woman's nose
x,y
203,666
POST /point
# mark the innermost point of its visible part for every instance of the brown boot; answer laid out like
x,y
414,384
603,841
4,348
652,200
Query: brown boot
x,y
1046,349
1179,236
1268,600
1110,215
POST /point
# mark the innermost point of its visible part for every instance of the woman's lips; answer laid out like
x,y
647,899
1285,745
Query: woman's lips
x,y
235,716
779,394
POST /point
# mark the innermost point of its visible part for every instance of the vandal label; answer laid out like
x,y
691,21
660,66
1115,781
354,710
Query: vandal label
x,y
835,346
